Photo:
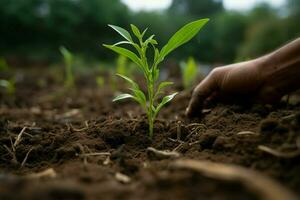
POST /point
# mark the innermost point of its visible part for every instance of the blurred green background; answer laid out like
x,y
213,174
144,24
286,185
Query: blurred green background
x,y
33,30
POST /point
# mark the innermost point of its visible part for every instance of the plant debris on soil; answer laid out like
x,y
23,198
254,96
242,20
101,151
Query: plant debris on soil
x,y
57,144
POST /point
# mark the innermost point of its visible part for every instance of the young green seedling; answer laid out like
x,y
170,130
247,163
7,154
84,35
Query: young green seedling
x,y
100,81
9,85
68,60
188,72
121,63
149,101
3,64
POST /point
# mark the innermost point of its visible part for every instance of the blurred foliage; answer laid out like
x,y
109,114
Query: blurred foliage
x,y
3,64
100,81
9,86
200,9
34,29
68,61
265,31
189,72
122,63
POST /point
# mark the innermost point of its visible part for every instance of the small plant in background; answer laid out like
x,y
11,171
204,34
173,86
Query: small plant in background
x,y
3,64
9,85
68,61
122,67
149,102
122,64
189,72
100,81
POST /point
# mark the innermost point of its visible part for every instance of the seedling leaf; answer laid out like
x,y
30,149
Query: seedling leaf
x,y
129,54
144,32
189,72
125,34
4,83
165,100
67,55
136,31
128,80
122,42
122,96
162,85
68,59
140,97
182,36
150,40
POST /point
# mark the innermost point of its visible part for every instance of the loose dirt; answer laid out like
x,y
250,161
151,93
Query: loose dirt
x,y
97,149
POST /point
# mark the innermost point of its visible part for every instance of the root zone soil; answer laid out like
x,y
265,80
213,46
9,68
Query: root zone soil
x,y
90,148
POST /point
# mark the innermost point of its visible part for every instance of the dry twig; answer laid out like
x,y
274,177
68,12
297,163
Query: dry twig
x,y
279,154
264,186
122,178
19,137
26,157
162,154
48,173
94,154
247,133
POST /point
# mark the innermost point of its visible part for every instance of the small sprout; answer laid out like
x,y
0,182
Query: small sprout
x,y
121,65
150,101
68,60
100,81
3,64
9,85
189,72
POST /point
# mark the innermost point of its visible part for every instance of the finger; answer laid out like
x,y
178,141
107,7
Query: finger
x,y
211,100
269,95
201,93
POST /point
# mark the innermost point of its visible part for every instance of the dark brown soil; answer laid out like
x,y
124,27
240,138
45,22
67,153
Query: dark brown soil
x,y
61,126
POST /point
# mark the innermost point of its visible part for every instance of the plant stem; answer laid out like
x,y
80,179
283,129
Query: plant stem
x,y
151,122
151,102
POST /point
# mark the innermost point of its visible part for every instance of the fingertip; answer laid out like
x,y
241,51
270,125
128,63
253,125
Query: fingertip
x,y
188,112
200,94
193,110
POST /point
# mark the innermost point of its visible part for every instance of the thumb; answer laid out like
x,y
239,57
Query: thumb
x,y
200,94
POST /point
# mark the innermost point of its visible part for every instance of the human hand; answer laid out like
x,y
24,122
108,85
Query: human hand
x,y
241,81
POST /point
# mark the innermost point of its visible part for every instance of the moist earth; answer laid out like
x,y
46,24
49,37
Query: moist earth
x,y
98,149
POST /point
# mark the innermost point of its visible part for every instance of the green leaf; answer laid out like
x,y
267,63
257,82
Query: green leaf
x,y
156,54
125,34
162,85
4,83
165,100
3,64
122,96
67,55
9,85
136,31
189,72
185,34
140,97
154,42
144,32
150,40
129,54
122,42
135,86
